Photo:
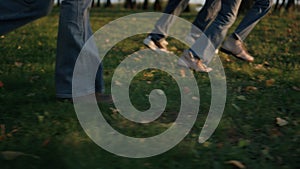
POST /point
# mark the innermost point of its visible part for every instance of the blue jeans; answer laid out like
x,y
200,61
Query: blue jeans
x,y
176,7
162,26
208,14
217,30
259,9
74,30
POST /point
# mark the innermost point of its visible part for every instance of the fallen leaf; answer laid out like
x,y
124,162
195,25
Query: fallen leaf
x,y
118,83
270,82
148,74
250,88
195,98
236,107
40,118
241,97
40,43
236,163
206,144
18,64
259,67
30,94
186,90
182,73
11,155
137,59
1,84
294,87
281,122
266,63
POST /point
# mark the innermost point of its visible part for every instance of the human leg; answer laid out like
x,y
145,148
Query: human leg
x,y
156,40
205,16
234,43
213,36
162,26
74,30
255,14
203,50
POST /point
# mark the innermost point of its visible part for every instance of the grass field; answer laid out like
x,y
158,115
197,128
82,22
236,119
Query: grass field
x,y
34,123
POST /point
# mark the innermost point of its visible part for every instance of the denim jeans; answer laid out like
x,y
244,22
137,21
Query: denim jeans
x,y
211,8
217,30
208,14
74,30
213,36
162,26
259,9
176,7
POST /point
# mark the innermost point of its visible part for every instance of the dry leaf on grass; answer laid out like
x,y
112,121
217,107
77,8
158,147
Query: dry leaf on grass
x,y
270,82
281,122
294,87
182,73
236,107
251,88
236,163
241,97
11,155
18,64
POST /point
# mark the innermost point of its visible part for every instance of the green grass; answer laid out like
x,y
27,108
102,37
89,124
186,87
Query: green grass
x,y
35,123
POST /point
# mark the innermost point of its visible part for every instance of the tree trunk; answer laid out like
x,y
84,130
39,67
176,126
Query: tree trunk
x,y
58,2
98,3
108,4
276,5
145,5
282,5
130,4
157,5
290,6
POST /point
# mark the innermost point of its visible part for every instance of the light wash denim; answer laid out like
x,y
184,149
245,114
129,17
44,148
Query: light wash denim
x,y
176,7
207,15
74,30
211,8
162,26
217,30
259,9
